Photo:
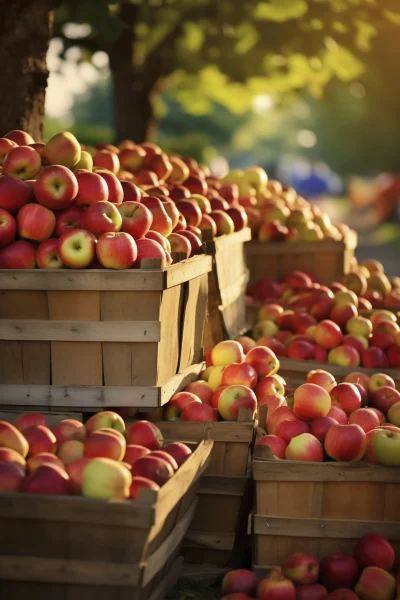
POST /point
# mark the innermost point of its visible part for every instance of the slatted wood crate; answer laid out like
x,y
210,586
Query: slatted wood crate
x,y
320,507
98,338
295,371
227,283
217,534
327,260
78,549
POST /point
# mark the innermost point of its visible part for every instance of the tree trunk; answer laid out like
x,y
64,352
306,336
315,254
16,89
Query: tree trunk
x,y
133,107
25,32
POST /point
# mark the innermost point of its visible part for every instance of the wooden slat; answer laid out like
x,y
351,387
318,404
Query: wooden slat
x,y
54,570
167,582
187,270
323,528
178,382
222,486
85,397
210,540
222,431
79,331
276,470
236,290
224,241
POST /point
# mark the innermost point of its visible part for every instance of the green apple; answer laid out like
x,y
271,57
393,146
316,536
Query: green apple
x,y
394,414
215,378
257,177
386,448
264,328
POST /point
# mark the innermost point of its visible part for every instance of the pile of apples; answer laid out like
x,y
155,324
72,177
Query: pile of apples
x,y
369,281
372,572
238,374
63,204
101,459
277,213
309,321
350,421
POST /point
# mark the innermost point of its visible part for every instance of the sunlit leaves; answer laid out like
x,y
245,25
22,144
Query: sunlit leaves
x,y
393,17
280,10
343,64
193,37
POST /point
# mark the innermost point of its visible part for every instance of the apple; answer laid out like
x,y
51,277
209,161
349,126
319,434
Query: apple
x,y
8,228
305,447
290,429
387,328
68,219
75,471
240,581
9,455
328,335
198,412
301,568
374,358
106,419
378,380
22,162
234,397
276,587
379,414
277,444
346,396
105,479
69,429
357,377
337,571
149,249
19,137
11,476
5,147
70,451
18,255
160,239
207,223
161,221
311,401
167,457
238,216
85,161
92,188
116,250
139,482
190,209
133,452
47,479
394,414
63,149
101,217
300,350
154,468
180,452
47,256
337,413
314,591
373,550
320,427
180,243
384,398
76,248
272,231
132,193
269,385
107,160
35,222
366,418
359,326
115,189
342,313
240,374
269,312
375,583
358,342
263,360
344,297
144,433
131,158
345,442
14,194
136,219
223,222
282,413
321,378
56,187
40,439
393,354
386,448
342,594
26,420
227,352
104,443
173,409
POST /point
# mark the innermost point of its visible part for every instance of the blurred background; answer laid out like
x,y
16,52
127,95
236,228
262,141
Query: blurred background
x,y
307,89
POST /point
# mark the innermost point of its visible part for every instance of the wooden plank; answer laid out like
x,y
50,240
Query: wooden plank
x,y
187,270
210,540
222,486
271,470
323,528
85,397
178,382
71,509
55,570
79,331
225,241
193,318
221,431
167,582
170,335
72,279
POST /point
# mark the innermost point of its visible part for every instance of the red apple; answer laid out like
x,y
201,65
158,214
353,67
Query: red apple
x,y
299,350
149,249
194,240
76,248
277,444
136,219
305,447
321,378
5,147
154,468
338,571
56,187
374,550
19,137
342,313
269,385
314,591
320,427
301,568
393,354
342,594
276,587
139,482
115,189
8,228
338,414
263,360
92,188
35,222
22,162
375,583
47,256
273,401
11,476
282,413
161,221
68,219
357,377
107,160
180,452
201,390
116,250
290,429
40,439
239,581
132,193
18,255
240,374
239,218
14,194
101,217
346,396
374,358
173,409
366,418
144,433
345,442
311,401
234,397
384,398
47,479
180,243
69,429
328,335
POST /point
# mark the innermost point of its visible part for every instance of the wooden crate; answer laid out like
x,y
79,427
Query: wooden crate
x,y
75,548
327,260
227,282
295,371
320,507
98,338
217,534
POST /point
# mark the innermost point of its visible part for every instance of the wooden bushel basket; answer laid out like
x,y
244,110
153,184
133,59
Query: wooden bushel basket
x,y
79,549
93,339
327,260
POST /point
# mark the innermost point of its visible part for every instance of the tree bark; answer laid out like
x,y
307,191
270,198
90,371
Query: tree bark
x,y
25,32
132,99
